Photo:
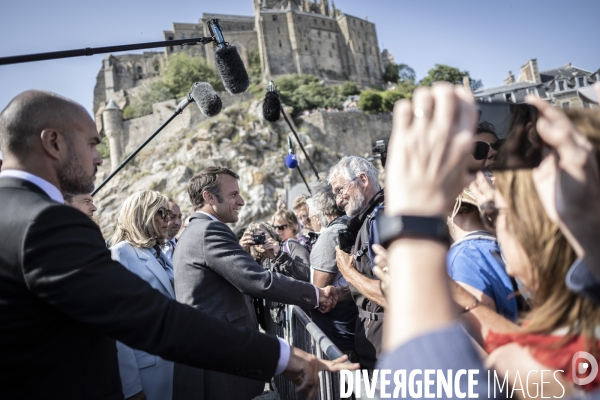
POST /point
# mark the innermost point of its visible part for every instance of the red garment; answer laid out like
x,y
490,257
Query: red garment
x,y
542,348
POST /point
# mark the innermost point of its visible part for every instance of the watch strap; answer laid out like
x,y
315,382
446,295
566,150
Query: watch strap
x,y
392,228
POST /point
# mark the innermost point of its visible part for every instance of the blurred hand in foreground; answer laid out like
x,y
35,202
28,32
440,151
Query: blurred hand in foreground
x,y
428,150
303,369
568,180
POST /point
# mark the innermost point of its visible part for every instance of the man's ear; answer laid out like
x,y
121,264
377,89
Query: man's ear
x,y
53,143
363,179
208,197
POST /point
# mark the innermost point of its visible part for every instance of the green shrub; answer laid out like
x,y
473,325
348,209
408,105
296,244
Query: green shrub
x,y
370,101
389,98
155,92
305,92
254,68
349,88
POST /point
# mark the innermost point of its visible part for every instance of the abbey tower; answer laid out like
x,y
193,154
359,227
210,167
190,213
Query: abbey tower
x,y
290,36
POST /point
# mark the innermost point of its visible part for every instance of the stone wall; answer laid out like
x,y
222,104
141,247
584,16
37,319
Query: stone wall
x,y
350,133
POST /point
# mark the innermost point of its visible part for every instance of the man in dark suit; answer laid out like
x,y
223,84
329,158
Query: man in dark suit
x,y
64,301
214,274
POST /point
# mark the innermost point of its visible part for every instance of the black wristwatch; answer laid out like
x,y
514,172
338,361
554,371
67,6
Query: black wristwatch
x,y
392,228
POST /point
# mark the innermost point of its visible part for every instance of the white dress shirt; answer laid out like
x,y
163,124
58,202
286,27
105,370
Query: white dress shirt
x,y
51,190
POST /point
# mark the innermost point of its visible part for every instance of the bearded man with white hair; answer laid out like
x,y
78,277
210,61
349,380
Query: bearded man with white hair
x,y
355,184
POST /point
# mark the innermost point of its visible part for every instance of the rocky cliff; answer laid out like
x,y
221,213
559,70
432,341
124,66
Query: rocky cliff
x,y
240,139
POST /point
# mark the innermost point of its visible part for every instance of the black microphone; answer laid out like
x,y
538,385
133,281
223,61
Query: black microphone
x,y
290,160
207,99
228,61
272,104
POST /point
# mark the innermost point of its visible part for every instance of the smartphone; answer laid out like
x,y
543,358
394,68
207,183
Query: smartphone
x,y
259,239
346,240
518,144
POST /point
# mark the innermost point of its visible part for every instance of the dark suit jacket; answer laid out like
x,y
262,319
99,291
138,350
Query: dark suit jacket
x,y
214,274
64,301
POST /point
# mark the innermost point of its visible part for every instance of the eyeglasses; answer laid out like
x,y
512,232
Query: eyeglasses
x,y
280,227
165,214
342,190
482,149
489,214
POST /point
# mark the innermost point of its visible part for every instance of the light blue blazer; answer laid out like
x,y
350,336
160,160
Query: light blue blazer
x,y
140,370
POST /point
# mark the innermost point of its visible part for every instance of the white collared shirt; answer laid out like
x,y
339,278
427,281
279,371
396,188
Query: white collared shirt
x,y
51,190
211,216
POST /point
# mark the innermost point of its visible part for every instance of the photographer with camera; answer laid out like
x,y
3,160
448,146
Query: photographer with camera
x,y
355,184
263,244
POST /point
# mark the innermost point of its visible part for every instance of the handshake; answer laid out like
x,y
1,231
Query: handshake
x,y
329,296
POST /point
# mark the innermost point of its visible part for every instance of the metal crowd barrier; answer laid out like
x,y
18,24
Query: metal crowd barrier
x,y
297,328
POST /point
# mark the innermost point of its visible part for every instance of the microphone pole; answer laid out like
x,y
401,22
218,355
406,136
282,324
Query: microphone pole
x,y
304,179
184,103
90,51
299,142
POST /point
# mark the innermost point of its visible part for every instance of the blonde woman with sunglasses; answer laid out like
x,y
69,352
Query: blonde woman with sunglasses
x,y
141,230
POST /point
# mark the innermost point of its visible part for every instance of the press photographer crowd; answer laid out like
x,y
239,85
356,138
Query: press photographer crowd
x,y
473,270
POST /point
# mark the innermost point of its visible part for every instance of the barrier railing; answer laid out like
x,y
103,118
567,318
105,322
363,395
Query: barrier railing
x,y
296,327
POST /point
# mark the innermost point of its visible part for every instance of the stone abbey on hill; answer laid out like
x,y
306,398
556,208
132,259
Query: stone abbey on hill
x,y
290,36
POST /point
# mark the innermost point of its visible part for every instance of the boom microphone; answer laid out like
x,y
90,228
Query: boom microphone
x,y
272,104
290,160
207,99
228,61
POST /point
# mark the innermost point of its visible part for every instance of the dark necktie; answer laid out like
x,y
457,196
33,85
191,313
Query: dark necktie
x,y
162,262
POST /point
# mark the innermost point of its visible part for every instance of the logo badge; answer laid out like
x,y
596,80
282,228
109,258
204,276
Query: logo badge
x,y
581,367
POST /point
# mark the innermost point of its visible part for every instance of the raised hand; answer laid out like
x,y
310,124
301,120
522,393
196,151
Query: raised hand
x,y
271,248
246,241
344,261
303,369
428,150
568,180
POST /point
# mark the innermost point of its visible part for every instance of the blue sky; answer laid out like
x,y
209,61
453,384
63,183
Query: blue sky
x,y
487,38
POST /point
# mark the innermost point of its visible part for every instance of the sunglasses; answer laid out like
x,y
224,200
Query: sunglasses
x,y
165,214
482,149
280,227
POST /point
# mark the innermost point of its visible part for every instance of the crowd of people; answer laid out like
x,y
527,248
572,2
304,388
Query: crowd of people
x,y
445,270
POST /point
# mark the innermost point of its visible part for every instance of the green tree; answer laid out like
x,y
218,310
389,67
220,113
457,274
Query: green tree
x,y
450,74
155,92
397,73
349,88
389,98
254,68
305,92
183,70
370,101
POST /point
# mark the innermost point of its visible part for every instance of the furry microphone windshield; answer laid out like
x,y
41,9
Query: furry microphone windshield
x,y
271,107
207,99
232,70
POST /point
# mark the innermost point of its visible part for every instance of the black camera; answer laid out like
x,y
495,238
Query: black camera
x,y
380,151
346,240
259,239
